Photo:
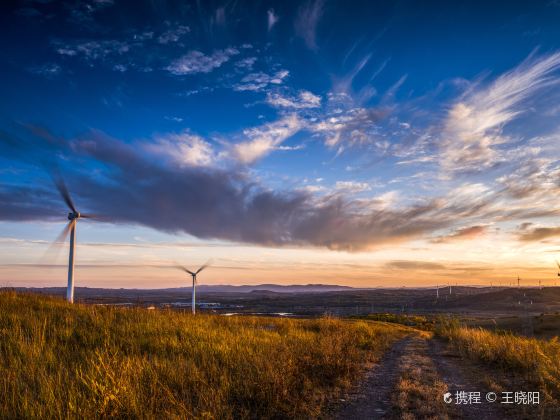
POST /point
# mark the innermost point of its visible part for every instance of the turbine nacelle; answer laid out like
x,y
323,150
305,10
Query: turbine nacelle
x,y
73,215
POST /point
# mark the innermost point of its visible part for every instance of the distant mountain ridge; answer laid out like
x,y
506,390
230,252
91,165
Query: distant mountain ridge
x,y
276,288
225,288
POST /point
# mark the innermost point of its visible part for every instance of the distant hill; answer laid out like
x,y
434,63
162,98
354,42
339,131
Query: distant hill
x,y
276,288
272,288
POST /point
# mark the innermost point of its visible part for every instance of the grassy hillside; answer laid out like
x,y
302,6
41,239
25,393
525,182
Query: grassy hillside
x,y
59,360
533,362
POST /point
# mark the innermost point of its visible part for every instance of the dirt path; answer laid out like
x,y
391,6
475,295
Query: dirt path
x,y
454,373
372,398
409,382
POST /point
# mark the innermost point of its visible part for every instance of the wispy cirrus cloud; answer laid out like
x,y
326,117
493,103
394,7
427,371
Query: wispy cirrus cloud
x,y
461,234
535,177
94,50
306,22
304,99
246,63
197,62
271,18
352,186
473,132
356,125
257,82
266,138
173,34
48,70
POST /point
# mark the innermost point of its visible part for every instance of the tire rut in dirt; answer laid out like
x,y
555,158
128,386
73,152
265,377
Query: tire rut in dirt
x,y
453,371
372,398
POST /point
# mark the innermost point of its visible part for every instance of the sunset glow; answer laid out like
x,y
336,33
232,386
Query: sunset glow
x,y
389,148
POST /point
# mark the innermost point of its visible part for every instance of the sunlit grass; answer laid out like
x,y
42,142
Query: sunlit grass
x,y
537,361
59,360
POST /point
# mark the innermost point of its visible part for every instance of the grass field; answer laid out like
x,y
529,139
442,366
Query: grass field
x,y
533,361
81,361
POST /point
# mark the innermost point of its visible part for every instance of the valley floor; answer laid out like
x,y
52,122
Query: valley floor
x,y
84,361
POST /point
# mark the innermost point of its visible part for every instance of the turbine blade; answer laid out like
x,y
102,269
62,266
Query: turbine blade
x,y
64,234
53,251
61,187
183,268
94,216
557,263
206,264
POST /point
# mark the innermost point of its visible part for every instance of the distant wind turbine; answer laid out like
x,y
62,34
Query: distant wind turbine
x,y
73,217
194,282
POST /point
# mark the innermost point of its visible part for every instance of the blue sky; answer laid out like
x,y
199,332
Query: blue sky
x,y
389,137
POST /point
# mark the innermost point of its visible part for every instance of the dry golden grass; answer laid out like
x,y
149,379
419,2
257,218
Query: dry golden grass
x,y
419,387
537,361
64,361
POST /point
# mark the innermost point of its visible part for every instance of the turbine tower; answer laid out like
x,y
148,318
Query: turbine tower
x,y
194,282
73,217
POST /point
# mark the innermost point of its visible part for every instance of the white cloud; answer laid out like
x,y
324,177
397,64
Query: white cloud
x,y
173,35
307,20
266,138
386,200
272,18
258,81
305,99
314,188
197,62
246,63
46,70
173,118
185,149
352,186
354,126
474,128
95,50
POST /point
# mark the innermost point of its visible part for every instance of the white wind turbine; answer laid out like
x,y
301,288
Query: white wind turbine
x,y
194,282
73,217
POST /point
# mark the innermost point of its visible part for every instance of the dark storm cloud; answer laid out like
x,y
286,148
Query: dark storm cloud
x,y
125,184
538,234
19,203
